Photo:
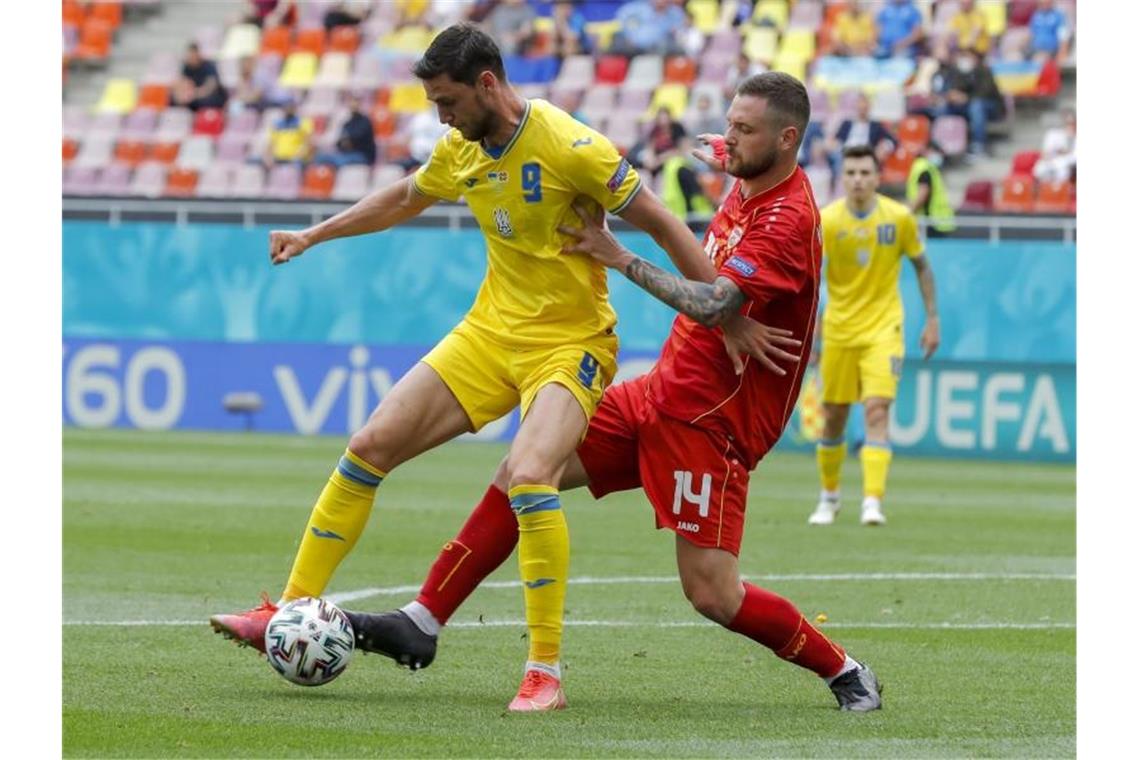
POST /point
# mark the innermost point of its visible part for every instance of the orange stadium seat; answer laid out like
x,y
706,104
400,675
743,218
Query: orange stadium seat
x,y
381,96
914,133
383,122
108,12
94,40
344,39
276,41
130,152
74,14
396,149
1016,195
318,182
181,182
1056,198
897,166
680,70
310,41
156,96
70,148
165,152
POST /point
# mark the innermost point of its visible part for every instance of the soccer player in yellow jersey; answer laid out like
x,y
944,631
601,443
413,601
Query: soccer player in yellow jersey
x,y
865,237
540,333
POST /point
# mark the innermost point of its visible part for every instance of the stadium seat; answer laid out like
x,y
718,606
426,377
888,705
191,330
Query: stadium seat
x,y
645,73
164,152
70,149
74,14
299,71
334,70
209,121
351,183
799,43
675,97
232,148
914,133
243,122
180,182
318,182
896,168
130,152
612,69
367,71
383,122
1020,11
119,96
94,41
113,180
632,103
1049,81
888,104
397,148
105,125
821,182
1024,161
952,133
310,41
528,70
156,96
139,124
344,39
760,44
771,13
1016,195
197,152
806,15
110,13
209,40
680,69
276,41
79,180
623,133
794,65
705,15
385,174
95,151
408,98
577,72
241,40
712,183
148,181
248,181
1056,198
214,182
1014,43
173,124
284,182
979,197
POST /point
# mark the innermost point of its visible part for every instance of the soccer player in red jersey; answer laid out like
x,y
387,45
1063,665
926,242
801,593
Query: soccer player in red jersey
x,y
691,430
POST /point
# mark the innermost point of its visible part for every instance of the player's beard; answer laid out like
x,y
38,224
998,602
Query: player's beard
x,y
752,169
479,129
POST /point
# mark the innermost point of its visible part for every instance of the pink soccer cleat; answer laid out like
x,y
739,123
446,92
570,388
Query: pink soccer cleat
x,y
246,628
539,692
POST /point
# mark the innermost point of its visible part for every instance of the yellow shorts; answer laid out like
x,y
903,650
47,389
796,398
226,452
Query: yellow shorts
x,y
490,379
855,373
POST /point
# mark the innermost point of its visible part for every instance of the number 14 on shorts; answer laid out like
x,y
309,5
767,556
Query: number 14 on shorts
x,y
684,491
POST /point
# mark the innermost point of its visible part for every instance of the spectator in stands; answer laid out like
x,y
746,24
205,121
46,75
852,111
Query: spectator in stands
x,y
569,29
255,89
347,13
648,26
270,13
425,130
854,30
199,85
1058,161
744,68
443,13
967,88
1049,32
813,148
356,143
690,39
511,23
899,28
860,130
969,27
702,118
289,138
662,142
681,191
926,192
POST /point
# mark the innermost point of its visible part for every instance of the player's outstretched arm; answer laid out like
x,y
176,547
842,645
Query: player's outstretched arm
x,y
648,213
931,334
376,211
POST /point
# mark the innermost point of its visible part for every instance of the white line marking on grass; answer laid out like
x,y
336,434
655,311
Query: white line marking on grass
x,y
475,624
365,593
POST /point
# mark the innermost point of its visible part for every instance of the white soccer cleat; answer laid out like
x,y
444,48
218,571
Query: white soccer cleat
x,y
825,511
873,513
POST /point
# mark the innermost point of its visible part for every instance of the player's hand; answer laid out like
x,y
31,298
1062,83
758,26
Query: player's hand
x,y
594,238
930,338
285,245
747,336
716,157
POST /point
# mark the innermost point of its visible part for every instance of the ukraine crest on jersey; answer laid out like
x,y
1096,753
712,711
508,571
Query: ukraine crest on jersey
x,y
533,294
863,256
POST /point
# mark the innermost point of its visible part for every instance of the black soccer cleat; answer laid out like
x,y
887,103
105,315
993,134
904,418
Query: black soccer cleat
x,y
393,634
858,690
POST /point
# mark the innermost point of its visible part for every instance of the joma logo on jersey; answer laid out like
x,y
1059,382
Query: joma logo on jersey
x,y
470,182
503,222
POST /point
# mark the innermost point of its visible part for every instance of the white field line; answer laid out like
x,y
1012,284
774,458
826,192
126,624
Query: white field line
x,y
474,624
365,593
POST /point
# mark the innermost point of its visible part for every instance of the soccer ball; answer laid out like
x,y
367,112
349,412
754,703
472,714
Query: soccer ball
x,y
309,641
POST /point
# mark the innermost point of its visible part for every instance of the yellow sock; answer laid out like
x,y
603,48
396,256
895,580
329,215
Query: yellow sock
x,y
876,458
829,455
544,564
338,519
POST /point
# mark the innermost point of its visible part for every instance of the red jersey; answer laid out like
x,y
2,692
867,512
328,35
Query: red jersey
x,y
771,246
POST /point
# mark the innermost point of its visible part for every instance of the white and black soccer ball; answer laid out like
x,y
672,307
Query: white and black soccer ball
x,y
309,641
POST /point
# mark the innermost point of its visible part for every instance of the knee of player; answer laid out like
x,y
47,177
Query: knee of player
x,y
526,470
713,602
502,479
368,444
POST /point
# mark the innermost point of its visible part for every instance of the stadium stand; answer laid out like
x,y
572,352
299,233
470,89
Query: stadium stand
x,y
133,142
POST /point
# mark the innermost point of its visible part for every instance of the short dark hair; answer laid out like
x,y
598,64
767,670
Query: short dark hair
x,y
462,51
787,98
861,151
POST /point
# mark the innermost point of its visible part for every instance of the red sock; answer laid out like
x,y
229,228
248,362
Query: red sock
x,y
484,542
773,621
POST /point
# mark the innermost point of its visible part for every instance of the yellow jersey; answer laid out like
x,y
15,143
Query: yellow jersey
x,y
862,259
533,293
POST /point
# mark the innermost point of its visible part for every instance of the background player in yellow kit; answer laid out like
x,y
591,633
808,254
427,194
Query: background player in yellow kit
x,y
865,237
540,333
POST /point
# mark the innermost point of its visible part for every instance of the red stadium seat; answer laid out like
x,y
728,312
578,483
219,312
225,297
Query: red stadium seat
x,y
681,70
344,39
209,121
896,168
318,182
181,182
914,133
310,41
979,197
130,152
1016,195
70,149
156,96
94,41
276,41
1024,162
1056,198
1049,81
611,69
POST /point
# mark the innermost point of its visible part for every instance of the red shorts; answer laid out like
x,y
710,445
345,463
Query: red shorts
x,y
696,484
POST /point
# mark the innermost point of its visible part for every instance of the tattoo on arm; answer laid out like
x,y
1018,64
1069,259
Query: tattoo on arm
x,y
708,303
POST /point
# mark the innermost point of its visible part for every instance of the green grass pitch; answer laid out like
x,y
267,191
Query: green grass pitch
x,y
964,604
